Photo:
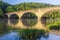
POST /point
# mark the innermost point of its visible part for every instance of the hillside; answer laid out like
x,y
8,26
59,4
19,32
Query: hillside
x,y
3,6
6,7
26,6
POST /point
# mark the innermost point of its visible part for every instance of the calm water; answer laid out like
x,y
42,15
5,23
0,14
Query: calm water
x,y
14,35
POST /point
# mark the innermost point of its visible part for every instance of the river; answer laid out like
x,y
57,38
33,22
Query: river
x,y
12,34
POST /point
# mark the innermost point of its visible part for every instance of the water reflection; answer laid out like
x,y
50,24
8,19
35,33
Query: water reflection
x,y
5,21
32,34
5,16
3,27
29,22
43,20
29,19
14,22
6,33
25,34
26,23
14,36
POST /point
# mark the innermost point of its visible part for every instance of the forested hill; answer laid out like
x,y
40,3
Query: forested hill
x,y
3,7
26,6
6,7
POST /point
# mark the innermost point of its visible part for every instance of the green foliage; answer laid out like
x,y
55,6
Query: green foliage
x,y
28,6
31,34
9,9
55,14
29,19
53,18
54,27
3,28
29,22
1,12
21,7
3,5
29,15
6,7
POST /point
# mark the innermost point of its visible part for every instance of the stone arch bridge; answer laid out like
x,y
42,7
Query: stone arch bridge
x,y
38,12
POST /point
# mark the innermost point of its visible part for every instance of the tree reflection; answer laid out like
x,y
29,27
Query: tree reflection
x,y
32,34
29,22
3,28
14,21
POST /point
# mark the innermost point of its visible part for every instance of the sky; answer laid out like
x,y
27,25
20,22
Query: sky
x,y
54,2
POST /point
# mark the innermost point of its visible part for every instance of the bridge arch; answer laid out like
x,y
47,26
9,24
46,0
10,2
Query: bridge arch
x,y
29,15
5,16
14,16
46,14
29,19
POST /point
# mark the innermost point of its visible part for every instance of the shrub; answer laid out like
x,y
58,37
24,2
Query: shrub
x,y
54,27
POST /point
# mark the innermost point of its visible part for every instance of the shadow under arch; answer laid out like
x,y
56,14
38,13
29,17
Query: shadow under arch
x,y
4,19
14,22
14,17
29,19
5,16
46,16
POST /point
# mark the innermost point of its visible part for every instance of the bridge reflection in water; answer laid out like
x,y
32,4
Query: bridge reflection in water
x,y
24,33
34,24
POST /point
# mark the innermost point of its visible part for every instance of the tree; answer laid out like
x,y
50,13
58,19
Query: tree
x,y
9,9
3,6
1,12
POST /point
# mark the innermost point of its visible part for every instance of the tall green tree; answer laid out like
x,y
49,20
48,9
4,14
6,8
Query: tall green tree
x,y
3,6
1,12
9,9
